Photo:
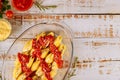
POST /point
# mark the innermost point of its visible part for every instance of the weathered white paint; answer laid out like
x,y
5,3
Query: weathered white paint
x,y
79,6
96,37
96,51
110,71
87,47
83,26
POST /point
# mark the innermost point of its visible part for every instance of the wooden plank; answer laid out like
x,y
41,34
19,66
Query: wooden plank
x,y
79,6
99,58
85,26
93,49
98,51
94,71
5,45
86,49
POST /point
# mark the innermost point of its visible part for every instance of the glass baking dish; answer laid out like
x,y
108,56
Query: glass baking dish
x,y
56,27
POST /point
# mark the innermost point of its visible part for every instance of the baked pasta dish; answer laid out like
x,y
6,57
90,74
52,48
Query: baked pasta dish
x,y
40,58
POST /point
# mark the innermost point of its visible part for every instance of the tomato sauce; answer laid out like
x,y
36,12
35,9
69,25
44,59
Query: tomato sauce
x,y
46,69
37,54
29,78
49,41
37,45
22,5
44,41
57,55
24,59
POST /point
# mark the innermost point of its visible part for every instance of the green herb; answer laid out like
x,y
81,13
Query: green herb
x,y
73,69
71,73
75,62
4,6
43,7
8,7
5,2
0,15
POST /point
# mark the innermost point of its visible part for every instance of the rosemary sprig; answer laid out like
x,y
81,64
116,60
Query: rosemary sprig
x,y
75,62
42,7
73,70
71,73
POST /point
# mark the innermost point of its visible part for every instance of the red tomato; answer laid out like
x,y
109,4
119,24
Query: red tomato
x,y
9,14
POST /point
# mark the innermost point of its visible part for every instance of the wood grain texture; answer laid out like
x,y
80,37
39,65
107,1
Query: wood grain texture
x,y
96,42
86,49
79,6
98,58
96,34
83,26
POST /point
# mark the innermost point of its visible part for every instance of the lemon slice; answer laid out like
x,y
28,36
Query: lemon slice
x,y
5,29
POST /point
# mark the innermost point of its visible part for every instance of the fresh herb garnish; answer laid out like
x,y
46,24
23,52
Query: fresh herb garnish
x,y
4,6
43,7
73,69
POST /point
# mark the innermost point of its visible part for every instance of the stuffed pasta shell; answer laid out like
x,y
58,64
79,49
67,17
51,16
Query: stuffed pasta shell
x,y
40,58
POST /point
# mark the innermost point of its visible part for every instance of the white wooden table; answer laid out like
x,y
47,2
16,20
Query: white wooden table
x,y
96,28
